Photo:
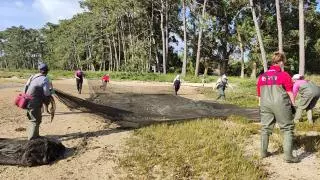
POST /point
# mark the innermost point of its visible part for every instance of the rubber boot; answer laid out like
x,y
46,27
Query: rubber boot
x,y
33,130
264,146
287,148
309,115
298,115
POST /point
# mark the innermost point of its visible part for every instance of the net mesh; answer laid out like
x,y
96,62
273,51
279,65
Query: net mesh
x,y
35,152
144,105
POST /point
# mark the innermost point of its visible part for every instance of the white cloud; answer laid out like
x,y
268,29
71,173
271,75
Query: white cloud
x,y
55,10
19,4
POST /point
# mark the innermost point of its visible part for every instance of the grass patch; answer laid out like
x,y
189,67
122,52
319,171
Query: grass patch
x,y
201,149
305,126
243,92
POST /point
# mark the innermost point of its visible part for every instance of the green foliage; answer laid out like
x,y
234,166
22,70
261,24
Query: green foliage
x,y
126,36
201,149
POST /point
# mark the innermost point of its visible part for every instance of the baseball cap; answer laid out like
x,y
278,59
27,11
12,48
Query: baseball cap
x,y
43,67
297,77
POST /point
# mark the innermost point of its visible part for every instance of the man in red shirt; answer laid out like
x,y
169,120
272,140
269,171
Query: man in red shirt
x,y
274,89
105,79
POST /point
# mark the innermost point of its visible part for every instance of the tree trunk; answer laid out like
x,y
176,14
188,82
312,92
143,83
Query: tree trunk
x,y
263,53
280,41
157,57
242,54
167,32
151,36
199,39
115,54
123,42
184,63
301,39
110,56
119,46
164,61
254,70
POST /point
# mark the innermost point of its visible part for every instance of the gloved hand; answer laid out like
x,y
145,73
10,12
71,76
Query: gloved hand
x,y
293,109
52,91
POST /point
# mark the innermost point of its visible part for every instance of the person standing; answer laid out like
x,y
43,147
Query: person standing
x,y
176,84
274,89
38,88
104,80
79,75
309,94
221,86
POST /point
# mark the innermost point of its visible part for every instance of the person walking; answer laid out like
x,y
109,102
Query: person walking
x,y
79,75
309,94
176,84
221,86
38,88
104,80
274,89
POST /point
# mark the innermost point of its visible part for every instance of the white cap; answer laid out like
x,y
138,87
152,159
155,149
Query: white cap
x,y
297,77
224,76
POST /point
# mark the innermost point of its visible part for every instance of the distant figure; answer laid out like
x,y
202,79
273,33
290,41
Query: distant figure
x,y
38,88
221,86
104,80
203,79
79,75
274,89
309,95
176,84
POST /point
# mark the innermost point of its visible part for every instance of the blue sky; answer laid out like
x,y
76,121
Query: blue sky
x,y
35,13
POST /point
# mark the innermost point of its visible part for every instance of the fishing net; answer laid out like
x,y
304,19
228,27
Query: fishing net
x,y
145,106
38,151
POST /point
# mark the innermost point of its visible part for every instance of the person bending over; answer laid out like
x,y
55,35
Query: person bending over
x,y
309,94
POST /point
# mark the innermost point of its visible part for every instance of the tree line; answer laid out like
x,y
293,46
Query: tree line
x,y
212,36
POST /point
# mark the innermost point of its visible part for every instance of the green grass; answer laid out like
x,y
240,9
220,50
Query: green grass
x,y
242,92
201,149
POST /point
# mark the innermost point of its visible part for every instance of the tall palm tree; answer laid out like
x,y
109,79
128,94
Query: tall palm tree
x,y
280,41
301,38
256,24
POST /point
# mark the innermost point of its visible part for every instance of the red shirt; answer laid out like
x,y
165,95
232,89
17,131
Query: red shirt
x,y
105,78
275,77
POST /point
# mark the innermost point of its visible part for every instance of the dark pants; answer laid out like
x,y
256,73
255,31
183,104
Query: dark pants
x,y
79,85
176,87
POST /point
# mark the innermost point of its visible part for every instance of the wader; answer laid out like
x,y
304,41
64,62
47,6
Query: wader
x,y
176,86
309,94
221,94
79,85
276,108
35,117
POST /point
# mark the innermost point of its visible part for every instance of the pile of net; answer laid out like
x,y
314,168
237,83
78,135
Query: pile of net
x,y
35,152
